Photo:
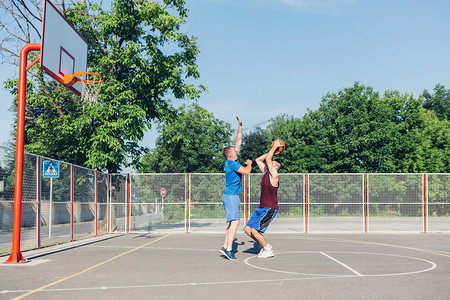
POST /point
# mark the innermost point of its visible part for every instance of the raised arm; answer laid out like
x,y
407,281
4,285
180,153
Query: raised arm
x,y
273,171
260,162
238,141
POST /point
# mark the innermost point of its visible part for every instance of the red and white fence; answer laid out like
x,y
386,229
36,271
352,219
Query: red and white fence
x,y
84,203
308,203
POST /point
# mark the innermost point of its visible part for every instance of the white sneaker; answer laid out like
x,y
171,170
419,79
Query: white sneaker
x,y
265,253
269,247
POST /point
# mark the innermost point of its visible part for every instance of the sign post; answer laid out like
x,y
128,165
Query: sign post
x,y
51,170
163,194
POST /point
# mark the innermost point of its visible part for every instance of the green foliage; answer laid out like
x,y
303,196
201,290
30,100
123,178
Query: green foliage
x,y
303,150
254,144
194,142
145,60
439,102
356,131
208,211
173,214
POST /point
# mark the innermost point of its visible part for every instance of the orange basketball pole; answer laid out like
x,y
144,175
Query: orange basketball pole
x,y
16,256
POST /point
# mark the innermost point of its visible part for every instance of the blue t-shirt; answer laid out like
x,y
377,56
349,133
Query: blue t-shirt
x,y
232,177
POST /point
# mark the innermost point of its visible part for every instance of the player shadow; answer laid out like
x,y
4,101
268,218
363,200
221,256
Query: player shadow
x,y
236,245
68,246
255,249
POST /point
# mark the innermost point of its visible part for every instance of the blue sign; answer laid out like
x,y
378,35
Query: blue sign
x,y
51,169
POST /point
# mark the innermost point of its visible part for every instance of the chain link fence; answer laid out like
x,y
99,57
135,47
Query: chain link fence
x,y
308,203
84,203
54,210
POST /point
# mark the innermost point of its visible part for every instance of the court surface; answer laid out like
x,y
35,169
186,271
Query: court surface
x,y
189,266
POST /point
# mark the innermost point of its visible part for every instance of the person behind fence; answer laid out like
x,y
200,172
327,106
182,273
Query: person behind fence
x,y
268,205
231,199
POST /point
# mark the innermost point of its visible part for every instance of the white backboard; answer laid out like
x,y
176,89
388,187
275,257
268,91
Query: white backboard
x,y
63,49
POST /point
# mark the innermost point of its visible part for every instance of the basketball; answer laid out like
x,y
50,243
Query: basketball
x,y
279,149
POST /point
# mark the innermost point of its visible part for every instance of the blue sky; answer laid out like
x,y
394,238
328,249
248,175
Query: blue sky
x,y
262,58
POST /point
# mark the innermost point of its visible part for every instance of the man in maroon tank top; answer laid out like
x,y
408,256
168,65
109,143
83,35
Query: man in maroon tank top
x,y
268,205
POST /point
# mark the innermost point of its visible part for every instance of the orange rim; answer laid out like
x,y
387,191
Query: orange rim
x,y
70,79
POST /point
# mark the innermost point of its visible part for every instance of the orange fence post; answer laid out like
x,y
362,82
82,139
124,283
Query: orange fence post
x,y
128,203
187,203
365,203
108,202
72,199
425,212
247,205
306,203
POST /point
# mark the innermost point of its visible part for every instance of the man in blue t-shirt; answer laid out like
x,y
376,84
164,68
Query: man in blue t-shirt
x,y
231,200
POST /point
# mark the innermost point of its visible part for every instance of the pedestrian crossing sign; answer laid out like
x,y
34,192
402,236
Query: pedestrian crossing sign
x,y
51,169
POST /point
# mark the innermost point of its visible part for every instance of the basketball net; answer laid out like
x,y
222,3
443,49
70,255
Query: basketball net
x,y
91,89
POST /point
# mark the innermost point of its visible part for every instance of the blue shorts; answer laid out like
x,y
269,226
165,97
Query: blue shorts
x,y
261,218
231,205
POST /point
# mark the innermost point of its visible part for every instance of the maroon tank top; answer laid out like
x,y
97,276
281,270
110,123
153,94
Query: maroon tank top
x,y
269,196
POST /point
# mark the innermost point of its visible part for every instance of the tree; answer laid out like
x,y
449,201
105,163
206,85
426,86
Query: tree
x,y
356,131
20,24
146,61
421,139
254,144
349,121
365,133
439,102
194,142
303,151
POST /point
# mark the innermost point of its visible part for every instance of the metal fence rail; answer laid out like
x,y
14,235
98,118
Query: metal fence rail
x,y
54,210
307,202
83,203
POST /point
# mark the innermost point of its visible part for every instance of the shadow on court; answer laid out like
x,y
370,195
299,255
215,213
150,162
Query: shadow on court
x,y
189,266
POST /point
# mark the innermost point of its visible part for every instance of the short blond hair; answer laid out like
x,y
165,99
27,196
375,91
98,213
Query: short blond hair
x,y
226,151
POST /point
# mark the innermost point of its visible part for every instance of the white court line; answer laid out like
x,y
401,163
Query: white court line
x,y
342,264
156,248
433,265
175,284
337,240
281,280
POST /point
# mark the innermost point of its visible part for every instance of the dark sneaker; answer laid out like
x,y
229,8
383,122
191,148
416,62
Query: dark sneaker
x,y
229,255
222,251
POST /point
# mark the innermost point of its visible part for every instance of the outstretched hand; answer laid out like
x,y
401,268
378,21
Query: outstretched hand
x,y
276,144
239,121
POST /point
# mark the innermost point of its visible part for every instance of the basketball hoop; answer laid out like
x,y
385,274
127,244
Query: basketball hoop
x,y
91,85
